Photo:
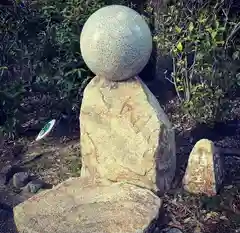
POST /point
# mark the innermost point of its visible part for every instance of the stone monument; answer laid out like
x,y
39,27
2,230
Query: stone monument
x,y
125,134
127,143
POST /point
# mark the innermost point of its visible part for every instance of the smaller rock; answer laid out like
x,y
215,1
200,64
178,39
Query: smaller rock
x,y
34,186
204,173
20,179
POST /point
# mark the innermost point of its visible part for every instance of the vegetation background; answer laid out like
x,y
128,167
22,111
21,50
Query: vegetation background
x,y
41,67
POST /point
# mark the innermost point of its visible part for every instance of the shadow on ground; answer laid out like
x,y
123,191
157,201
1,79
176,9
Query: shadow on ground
x,y
7,223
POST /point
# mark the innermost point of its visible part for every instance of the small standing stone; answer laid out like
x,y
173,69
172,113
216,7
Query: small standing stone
x,y
204,173
20,179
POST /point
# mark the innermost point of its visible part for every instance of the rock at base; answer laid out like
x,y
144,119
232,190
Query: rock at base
x,y
20,179
34,186
125,135
204,173
78,206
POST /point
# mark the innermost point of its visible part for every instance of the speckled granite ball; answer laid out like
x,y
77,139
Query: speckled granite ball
x,y
116,43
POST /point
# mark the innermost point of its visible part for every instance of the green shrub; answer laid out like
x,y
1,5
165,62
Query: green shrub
x,y
205,54
40,57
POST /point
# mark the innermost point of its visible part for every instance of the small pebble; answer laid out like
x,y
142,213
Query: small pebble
x,y
20,179
34,186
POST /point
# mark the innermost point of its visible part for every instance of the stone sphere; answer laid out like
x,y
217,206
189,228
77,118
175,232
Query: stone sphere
x,y
116,43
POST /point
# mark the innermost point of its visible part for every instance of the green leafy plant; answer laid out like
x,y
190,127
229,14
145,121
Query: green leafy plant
x,y
40,60
200,40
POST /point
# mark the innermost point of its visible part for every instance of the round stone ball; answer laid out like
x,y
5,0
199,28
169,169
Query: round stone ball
x,y
116,43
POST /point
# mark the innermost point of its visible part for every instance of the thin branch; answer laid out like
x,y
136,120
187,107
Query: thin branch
x,y
234,31
175,81
187,80
193,65
169,80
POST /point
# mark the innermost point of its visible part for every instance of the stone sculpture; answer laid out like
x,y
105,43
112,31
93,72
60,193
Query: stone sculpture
x,y
127,143
125,134
116,43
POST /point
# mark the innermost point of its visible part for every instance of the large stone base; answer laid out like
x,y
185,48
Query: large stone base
x,y
78,206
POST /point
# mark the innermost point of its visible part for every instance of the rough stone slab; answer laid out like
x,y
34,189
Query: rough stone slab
x,y
204,173
78,206
125,135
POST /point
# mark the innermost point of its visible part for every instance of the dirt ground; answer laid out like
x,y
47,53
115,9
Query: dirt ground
x,y
54,161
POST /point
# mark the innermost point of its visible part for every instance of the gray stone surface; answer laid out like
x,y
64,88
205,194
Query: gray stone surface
x,y
116,42
78,206
20,179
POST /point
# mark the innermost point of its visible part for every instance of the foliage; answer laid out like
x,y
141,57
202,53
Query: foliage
x,y
205,55
40,56
41,67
